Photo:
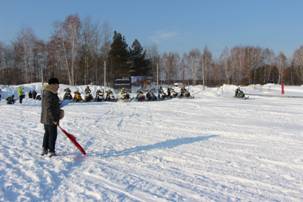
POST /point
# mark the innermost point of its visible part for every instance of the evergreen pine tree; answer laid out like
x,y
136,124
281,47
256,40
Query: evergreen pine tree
x,y
139,65
118,57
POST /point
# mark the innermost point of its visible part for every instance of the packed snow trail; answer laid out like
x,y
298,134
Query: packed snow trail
x,y
211,148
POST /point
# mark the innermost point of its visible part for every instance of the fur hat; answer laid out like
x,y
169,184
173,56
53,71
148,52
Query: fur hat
x,y
53,81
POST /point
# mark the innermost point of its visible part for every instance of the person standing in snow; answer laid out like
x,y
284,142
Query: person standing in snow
x,y
30,94
20,94
34,93
50,116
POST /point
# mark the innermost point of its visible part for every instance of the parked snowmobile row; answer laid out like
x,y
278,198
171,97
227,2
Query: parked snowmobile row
x,y
88,97
109,96
151,94
124,95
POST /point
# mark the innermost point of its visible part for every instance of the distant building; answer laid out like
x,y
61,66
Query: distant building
x,y
123,82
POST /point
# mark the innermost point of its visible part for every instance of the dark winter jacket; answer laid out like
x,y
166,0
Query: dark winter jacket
x,y
50,106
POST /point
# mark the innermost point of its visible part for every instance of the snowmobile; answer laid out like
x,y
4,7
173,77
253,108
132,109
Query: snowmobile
x,y
10,100
99,96
88,96
38,97
124,95
150,96
140,96
240,94
87,90
77,96
161,94
110,96
184,93
171,93
67,94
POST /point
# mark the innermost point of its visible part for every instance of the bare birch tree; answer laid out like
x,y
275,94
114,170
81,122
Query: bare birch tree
x,y
170,61
268,57
206,62
24,46
153,55
298,62
194,59
281,64
225,60
69,33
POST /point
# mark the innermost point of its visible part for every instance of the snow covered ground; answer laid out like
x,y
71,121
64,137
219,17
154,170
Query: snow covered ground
x,y
211,148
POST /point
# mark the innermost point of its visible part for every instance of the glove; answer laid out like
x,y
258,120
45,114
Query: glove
x,y
61,114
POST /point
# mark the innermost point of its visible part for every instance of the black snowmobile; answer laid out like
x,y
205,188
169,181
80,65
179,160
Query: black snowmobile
x,y
184,93
67,94
88,95
38,97
99,95
140,96
240,94
161,94
150,96
110,96
171,92
10,100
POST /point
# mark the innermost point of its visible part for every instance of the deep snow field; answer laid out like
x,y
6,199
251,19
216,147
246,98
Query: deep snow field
x,y
211,148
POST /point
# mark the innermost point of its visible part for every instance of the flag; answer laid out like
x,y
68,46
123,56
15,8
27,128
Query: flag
x,y
72,138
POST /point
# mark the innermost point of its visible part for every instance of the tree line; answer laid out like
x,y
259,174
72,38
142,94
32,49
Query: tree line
x,y
79,51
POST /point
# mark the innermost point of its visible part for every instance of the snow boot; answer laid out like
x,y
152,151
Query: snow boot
x,y
51,154
44,152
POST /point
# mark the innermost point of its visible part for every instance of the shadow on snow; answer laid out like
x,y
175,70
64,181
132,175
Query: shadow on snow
x,y
168,144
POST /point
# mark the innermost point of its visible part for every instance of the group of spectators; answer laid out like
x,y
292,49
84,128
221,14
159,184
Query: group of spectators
x,y
21,95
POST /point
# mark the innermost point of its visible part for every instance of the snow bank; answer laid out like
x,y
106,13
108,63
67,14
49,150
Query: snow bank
x,y
197,91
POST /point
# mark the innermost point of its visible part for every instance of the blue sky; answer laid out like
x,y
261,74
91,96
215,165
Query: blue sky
x,y
174,25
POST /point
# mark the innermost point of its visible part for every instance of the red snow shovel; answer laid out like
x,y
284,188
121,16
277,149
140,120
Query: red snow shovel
x,y
73,140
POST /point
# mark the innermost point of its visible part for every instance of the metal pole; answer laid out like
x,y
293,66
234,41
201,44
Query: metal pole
x,y
157,75
203,70
158,79
42,75
193,70
183,73
41,66
104,74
